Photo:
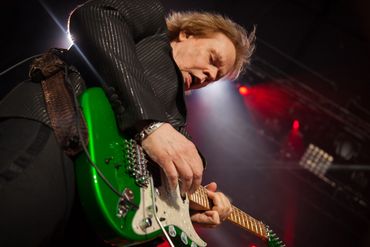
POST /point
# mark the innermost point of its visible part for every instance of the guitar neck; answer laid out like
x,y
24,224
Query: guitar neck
x,y
237,216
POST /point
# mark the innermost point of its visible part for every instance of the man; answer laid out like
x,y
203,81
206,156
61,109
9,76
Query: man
x,y
124,46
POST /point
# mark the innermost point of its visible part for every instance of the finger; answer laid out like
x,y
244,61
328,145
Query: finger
x,y
185,174
227,202
226,208
211,186
206,219
221,204
197,168
197,181
229,206
216,200
171,174
213,217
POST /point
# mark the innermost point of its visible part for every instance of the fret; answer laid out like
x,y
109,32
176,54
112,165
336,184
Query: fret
x,y
200,200
196,197
260,228
193,198
240,217
255,226
233,218
200,197
204,200
237,217
245,219
251,223
203,197
248,223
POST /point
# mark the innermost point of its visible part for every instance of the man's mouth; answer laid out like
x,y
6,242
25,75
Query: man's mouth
x,y
193,79
190,80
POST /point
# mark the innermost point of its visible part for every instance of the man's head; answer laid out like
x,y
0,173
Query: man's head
x,y
207,47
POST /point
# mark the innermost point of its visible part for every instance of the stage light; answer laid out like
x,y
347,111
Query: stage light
x,y
346,146
295,125
316,160
243,90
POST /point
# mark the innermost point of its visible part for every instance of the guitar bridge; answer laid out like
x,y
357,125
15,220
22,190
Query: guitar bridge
x,y
137,167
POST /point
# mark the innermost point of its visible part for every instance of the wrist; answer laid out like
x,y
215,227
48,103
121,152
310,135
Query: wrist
x,y
147,130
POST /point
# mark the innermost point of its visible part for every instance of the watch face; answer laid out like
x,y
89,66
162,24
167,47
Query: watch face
x,y
139,137
152,127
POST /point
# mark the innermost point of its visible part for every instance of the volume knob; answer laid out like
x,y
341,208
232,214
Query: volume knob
x,y
147,222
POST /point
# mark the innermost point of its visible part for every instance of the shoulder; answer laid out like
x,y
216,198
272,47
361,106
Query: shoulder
x,y
141,16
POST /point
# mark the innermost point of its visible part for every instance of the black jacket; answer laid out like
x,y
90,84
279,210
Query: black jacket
x,y
124,45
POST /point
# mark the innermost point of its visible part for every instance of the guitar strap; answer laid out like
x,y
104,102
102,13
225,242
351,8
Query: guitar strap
x,y
52,72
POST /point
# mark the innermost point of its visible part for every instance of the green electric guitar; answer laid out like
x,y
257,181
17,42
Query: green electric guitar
x,y
126,197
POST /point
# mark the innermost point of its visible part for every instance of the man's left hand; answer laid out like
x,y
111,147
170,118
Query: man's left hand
x,y
219,212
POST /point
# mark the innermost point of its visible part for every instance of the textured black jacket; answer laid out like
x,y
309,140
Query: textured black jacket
x,y
126,44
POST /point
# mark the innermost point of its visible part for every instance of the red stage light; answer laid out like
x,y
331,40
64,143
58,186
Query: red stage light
x,y
243,90
252,245
295,124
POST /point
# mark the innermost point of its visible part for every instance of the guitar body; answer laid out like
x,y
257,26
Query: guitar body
x,y
119,195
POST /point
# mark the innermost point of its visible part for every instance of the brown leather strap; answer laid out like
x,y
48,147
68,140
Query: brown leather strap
x,y
60,104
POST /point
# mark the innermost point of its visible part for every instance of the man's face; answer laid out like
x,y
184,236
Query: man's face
x,y
203,60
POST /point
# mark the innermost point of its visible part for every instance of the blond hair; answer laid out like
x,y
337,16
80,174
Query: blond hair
x,y
202,24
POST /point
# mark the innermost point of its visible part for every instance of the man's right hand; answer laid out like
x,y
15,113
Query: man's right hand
x,y
177,156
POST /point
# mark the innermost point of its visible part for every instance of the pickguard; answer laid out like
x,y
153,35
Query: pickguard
x,y
171,210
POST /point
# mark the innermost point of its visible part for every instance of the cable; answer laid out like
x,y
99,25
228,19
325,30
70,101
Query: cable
x,y
19,63
75,101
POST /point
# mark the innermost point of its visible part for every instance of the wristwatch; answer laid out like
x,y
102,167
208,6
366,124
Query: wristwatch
x,y
147,130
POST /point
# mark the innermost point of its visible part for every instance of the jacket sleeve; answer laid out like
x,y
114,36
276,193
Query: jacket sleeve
x,y
106,33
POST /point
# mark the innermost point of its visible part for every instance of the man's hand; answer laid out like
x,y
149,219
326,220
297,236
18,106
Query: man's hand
x,y
177,156
220,211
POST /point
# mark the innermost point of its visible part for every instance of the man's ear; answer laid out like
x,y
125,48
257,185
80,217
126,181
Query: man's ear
x,y
184,36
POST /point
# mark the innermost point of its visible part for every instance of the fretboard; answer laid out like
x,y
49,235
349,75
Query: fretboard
x,y
237,216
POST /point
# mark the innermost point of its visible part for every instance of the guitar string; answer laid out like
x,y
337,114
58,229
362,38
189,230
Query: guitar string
x,y
155,213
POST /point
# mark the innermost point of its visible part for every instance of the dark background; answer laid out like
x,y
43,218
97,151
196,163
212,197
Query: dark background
x,y
311,64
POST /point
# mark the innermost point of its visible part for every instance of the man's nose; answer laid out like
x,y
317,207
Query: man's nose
x,y
210,75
